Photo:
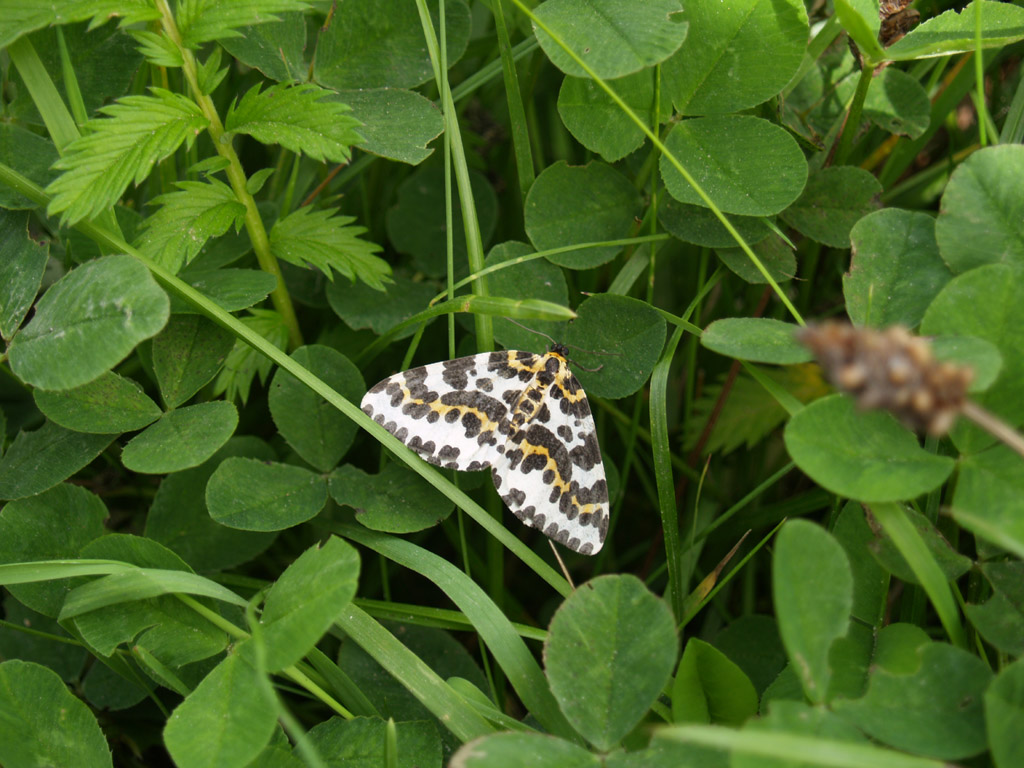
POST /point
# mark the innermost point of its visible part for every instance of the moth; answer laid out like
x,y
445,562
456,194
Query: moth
x,y
523,416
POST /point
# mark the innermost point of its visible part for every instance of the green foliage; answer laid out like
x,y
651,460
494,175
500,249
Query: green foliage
x,y
209,550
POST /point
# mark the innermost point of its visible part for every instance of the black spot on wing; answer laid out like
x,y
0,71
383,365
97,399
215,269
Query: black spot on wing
x,y
458,372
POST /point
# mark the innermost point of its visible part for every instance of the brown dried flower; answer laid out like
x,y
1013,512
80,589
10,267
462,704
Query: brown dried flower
x,y
893,370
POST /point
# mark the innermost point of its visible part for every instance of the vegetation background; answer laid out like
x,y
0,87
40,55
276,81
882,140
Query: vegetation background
x,y
219,222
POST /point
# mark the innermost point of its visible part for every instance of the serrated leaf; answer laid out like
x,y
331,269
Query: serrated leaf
x,y
203,20
159,50
323,240
299,119
176,233
244,363
20,18
138,132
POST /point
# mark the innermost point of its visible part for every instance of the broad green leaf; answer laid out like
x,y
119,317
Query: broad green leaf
x,y
31,154
870,580
380,45
244,363
513,750
416,223
177,232
895,269
325,241
709,688
735,56
580,204
1004,715
773,252
53,648
865,456
982,216
849,659
226,721
88,322
137,132
178,517
360,306
300,118
979,355
182,438
54,525
745,164
534,279
796,718
611,647
396,500
277,50
104,688
307,598
989,499
362,742
954,32
935,711
698,225
396,124
255,495
202,20
752,643
612,38
985,302
835,199
812,587
110,404
952,564
37,461
621,338
597,122
760,340
231,289
22,261
999,622
896,103
314,428
187,354
42,723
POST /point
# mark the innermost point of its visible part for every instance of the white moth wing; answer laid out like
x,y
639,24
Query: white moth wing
x,y
454,414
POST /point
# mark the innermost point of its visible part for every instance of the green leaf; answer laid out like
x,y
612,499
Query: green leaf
x,y
226,721
159,50
231,289
202,20
983,209
620,336
954,32
42,723
182,438
299,118
935,711
361,306
362,741
380,45
821,729
812,587
870,580
752,643
277,50
31,154
745,164
709,688
951,563
325,241
138,132
257,495
21,18
572,204
774,253
999,622
244,363
187,355
110,404
865,456
178,517
396,500
835,199
989,499
307,598
981,356
597,122
611,647
314,428
698,225
37,461
533,279
396,124
54,525
22,261
735,56
760,340
513,750
55,648
897,103
88,322
612,38
1004,715
895,269
176,233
